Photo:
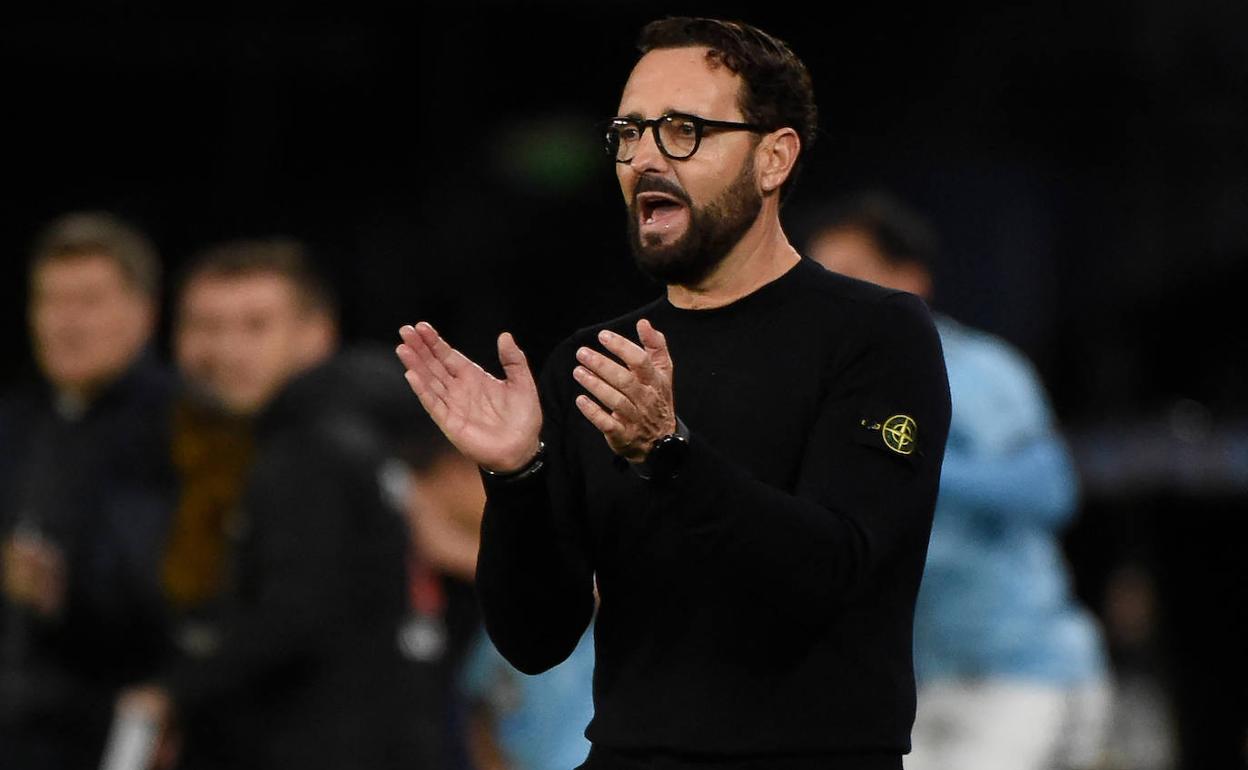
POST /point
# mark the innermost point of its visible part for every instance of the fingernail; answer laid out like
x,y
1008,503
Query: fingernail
x,y
605,335
583,354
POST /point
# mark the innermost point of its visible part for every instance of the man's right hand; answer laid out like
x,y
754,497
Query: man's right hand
x,y
34,573
495,423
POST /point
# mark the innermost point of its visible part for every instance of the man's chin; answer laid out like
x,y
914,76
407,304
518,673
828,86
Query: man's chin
x,y
673,264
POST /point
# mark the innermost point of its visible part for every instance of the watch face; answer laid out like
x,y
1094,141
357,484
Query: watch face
x,y
667,456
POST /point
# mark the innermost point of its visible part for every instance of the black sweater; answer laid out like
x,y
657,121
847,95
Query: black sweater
x,y
759,605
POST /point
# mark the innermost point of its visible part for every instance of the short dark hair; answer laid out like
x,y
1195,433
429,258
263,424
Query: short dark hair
x,y
90,233
282,256
900,234
776,88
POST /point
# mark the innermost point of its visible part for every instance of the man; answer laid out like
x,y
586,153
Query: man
x,y
85,494
750,484
308,669
1011,668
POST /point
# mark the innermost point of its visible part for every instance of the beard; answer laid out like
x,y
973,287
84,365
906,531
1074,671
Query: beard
x,y
712,231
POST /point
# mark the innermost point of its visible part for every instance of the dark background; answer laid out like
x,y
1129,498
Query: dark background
x,y
1086,164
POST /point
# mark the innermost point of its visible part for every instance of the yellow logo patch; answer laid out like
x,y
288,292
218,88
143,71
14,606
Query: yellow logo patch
x,y
900,433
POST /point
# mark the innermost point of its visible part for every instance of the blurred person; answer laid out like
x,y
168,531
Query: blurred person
x,y
85,494
1142,733
757,559
307,668
522,722
444,499
1011,668
211,450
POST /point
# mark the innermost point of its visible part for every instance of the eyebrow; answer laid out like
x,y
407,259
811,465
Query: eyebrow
x,y
667,111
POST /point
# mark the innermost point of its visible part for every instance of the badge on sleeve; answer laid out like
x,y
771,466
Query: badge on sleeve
x,y
899,434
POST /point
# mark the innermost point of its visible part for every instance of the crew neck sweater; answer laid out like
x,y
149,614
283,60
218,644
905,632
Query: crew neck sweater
x,y
758,607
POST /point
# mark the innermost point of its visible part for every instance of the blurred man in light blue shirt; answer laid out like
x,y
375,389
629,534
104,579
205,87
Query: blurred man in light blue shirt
x,y
521,722
1012,672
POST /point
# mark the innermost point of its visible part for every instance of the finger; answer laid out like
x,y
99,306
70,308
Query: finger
x,y
613,399
598,417
433,402
416,352
627,350
655,344
515,364
430,362
454,361
427,368
440,389
407,355
616,375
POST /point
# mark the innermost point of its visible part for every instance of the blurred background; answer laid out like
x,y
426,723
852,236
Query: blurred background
x,y
1085,164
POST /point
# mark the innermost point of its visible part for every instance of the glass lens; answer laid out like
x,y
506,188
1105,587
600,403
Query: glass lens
x,y
680,135
622,138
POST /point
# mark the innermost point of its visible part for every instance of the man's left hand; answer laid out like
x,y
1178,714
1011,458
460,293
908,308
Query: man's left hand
x,y
634,405
153,705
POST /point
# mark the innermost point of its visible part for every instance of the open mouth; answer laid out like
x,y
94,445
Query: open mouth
x,y
655,208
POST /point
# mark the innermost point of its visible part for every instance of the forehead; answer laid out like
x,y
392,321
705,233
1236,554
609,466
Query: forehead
x,y
85,268
244,292
681,80
848,250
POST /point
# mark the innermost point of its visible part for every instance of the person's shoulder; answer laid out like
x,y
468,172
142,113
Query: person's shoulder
x,y
853,305
851,293
992,351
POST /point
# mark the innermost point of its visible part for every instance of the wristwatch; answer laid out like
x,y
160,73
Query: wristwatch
x,y
530,468
667,455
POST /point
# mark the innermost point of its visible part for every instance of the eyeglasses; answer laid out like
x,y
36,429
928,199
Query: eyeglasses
x,y
678,135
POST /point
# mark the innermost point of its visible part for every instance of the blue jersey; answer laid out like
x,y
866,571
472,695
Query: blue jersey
x,y
995,598
540,720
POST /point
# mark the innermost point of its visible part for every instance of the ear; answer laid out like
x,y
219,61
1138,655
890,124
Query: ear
x,y
319,337
775,157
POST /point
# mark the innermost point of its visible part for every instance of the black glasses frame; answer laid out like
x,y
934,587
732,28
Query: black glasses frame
x,y
700,125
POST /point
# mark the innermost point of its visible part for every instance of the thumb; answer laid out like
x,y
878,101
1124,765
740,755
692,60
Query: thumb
x,y
515,365
656,346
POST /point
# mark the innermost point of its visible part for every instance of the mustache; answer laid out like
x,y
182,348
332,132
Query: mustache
x,y
659,184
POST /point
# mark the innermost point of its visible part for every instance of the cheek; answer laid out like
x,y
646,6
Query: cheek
x,y
627,182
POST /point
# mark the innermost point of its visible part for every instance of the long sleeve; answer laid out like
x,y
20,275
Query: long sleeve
x,y
534,578
1006,460
1033,483
857,503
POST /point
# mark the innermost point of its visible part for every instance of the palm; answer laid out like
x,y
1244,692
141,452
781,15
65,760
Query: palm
x,y
491,421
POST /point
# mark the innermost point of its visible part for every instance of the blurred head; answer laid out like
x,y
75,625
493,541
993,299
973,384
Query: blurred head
x,y
94,282
876,238
694,193
447,479
251,316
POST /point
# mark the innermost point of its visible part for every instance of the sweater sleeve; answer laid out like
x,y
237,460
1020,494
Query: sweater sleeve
x,y
861,507
534,573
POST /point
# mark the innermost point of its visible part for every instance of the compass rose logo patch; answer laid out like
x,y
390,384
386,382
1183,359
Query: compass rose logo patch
x,y
900,433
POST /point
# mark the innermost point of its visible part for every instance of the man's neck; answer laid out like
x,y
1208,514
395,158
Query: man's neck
x,y
761,256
